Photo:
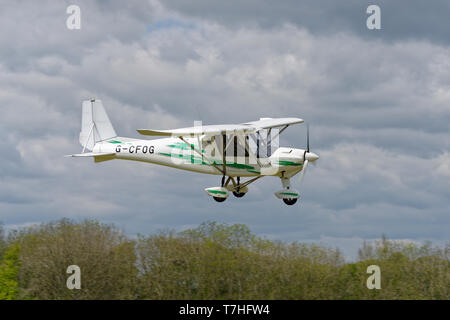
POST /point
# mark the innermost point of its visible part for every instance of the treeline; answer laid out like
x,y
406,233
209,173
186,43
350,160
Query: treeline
x,y
212,261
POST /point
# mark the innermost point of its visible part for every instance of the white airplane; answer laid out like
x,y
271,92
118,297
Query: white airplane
x,y
233,151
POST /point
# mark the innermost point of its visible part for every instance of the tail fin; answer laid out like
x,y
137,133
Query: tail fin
x,y
95,124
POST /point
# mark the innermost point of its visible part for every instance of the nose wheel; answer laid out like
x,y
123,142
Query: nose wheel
x,y
287,194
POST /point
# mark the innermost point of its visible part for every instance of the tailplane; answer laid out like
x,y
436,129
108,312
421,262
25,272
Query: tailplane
x,y
95,124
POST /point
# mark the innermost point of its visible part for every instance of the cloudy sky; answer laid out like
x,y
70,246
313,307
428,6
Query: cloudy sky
x,y
378,103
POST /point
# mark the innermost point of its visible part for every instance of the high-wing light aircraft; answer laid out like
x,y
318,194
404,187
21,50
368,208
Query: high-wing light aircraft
x,y
233,151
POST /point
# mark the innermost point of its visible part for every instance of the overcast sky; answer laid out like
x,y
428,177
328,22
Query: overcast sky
x,y
378,104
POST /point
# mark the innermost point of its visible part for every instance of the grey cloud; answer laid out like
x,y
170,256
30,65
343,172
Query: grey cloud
x,y
401,20
378,111
41,27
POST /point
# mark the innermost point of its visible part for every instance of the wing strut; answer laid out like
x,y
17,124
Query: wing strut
x,y
224,154
246,183
239,185
279,132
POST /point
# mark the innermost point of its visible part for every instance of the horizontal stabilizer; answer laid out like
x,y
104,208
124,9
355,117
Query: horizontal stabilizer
x,y
98,156
91,154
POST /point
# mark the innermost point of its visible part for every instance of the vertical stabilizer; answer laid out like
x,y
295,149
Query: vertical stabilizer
x,y
95,124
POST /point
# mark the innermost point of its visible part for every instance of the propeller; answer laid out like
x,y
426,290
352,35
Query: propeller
x,y
307,143
307,156
307,139
302,174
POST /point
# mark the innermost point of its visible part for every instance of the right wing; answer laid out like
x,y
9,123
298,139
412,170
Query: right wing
x,y
212,130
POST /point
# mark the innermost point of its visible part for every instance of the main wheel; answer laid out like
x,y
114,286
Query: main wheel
x,y
219,199
239,194
290,202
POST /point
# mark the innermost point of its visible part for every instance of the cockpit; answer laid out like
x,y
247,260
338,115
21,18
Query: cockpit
x,y
260,144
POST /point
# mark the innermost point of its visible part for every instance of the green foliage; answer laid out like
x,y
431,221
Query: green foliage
x,y
212,261
9,269
218,261
2,242
105,256
410,271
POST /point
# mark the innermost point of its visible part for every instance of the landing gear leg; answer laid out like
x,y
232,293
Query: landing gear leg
x,y
286,182
220,199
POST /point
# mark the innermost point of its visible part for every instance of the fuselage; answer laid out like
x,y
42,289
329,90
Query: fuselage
x,y
173,152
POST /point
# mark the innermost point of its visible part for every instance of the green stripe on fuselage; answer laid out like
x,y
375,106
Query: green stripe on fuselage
x,y
289,163
196,159
184,146
191,158
234,165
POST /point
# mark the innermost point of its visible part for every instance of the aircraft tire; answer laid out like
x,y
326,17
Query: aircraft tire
x,y
238,194
290,202
219,199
